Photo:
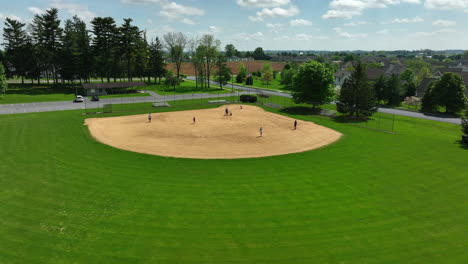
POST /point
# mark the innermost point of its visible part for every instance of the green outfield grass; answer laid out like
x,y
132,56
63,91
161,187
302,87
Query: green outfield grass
x,y
186,87
371,197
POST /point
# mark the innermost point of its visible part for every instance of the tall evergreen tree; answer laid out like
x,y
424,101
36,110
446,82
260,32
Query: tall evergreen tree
x,y
129,41
48,33
16,42
156,62
104,46
357,96
393,91
379,87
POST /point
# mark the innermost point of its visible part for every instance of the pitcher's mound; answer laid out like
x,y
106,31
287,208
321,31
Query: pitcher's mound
x,y
214,135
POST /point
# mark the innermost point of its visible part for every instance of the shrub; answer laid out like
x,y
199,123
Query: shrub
x,y
249,80
240,78
464,123
247,98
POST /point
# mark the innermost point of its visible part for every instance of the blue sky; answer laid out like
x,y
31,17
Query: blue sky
x,y
281,24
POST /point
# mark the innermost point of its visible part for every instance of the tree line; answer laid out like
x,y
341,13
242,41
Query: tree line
x,y
106,50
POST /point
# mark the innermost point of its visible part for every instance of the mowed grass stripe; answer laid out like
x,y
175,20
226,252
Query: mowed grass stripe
x,y
372,197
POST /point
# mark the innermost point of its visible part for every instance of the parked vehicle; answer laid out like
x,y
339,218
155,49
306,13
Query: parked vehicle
x,y
78,99
95,98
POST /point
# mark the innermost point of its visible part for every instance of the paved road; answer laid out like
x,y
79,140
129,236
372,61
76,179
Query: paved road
x,y
88,104
67,105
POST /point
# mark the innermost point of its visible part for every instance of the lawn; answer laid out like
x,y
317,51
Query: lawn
x,y
17,93
275,84
372,197
186,87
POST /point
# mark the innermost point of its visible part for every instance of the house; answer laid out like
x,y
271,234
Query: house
x,y
439,72
374,73
426,82
340,78
423,86
91,89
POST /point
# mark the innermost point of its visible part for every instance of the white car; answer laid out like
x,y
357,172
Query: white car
x,y
79,99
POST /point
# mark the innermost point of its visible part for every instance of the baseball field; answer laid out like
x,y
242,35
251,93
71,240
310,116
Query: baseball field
x,y
368,197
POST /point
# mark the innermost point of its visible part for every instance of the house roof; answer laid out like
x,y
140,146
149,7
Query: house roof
x,y
341,74
374,73
424,85
114,85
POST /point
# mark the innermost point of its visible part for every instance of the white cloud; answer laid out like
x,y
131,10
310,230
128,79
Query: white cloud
x,y
444,23
262,3
215,29
149,21
352,36
303,37
274,28
188,21
300,22
35,10
141,1
81,11
245,37
10,16
355,24
434,33
276,25
275,12
405,20
173,10
347,9
348,35
446,4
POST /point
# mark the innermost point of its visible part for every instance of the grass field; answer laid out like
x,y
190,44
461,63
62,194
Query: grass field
x,y
186,87
371,197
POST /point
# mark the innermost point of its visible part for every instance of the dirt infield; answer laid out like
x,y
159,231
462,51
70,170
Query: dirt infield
x,y
214,135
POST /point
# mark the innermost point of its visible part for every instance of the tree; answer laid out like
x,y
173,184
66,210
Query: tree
x,y
313,83
259,54
48,33
449,91
104,45
129,40
156,60
15,41
287,78
464,123
223,72
349,57
380,87
3,81
357,96
465,55
242,73
393,92
175,45
230,50
423,73
429,103
208,50
267,73
171,80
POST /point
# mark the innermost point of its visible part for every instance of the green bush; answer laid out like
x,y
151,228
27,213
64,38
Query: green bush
x,y
464,123
247,98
